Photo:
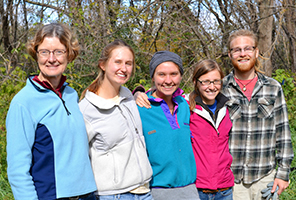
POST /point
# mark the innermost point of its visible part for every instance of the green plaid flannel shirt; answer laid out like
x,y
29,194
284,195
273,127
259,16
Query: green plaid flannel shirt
x,y
260,138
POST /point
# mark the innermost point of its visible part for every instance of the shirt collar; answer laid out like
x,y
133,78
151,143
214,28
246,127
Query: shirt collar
x,y
46,85
178,92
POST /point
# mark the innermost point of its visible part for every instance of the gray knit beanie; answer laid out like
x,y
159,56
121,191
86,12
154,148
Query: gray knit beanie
x,y
164,56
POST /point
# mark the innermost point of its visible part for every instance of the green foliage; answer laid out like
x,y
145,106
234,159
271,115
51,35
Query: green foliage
x,y
287,79
290,192
10,85
5,191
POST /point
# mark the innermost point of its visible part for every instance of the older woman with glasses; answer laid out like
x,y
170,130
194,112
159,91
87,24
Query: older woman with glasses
x,y
47,145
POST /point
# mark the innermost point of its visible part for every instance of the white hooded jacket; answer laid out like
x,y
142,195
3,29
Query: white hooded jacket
x,y
117,146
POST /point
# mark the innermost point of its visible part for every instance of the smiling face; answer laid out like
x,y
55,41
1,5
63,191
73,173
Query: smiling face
x,y
243,62
208,93
167,78
118,68
51,67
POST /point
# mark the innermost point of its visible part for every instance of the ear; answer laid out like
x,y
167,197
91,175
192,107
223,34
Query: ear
x,y
102,66
229,54
256,52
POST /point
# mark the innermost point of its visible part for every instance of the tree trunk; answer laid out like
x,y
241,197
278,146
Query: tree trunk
x,y
102,18
265,34
26,21
291,32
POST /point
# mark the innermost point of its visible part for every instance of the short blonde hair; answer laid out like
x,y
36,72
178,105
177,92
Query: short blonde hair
x,y
246,33
242,32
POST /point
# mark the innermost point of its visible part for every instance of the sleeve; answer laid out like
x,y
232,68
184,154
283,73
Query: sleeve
x,y
20,139
89,130
284,149
139,88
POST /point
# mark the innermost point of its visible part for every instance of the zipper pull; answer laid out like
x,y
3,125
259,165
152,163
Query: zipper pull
x,y
68,112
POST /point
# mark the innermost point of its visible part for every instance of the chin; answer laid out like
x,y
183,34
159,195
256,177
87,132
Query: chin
x,y
244,67
121,82
166,93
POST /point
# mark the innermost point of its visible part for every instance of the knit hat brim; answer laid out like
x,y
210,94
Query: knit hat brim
x,y
164,56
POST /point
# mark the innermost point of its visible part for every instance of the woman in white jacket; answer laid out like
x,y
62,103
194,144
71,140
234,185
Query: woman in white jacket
x,y
117,146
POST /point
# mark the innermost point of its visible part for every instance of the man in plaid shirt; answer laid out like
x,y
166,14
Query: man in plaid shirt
x,y
260,138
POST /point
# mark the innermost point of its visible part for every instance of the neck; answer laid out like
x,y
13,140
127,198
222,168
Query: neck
x,y
54,81
209,102
107,90
167,99
245,75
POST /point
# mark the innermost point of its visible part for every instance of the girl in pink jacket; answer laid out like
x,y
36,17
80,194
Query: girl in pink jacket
x,y
210,125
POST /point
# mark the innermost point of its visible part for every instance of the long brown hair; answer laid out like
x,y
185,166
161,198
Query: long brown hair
x,y
201,68
105,56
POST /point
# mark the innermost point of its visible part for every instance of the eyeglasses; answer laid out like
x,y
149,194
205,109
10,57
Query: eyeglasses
x,y
208,82
247,49
46,53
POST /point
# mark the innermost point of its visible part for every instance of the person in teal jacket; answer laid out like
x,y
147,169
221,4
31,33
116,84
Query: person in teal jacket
x,y
47,147
167,133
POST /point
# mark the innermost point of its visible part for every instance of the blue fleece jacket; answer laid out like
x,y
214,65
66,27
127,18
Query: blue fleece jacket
x,y
47,145
168,142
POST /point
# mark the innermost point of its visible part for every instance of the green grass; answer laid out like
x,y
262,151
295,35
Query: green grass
x,y
5,191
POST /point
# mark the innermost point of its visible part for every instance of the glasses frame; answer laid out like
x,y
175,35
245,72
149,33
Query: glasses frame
x,y
239,50
54,52
208,82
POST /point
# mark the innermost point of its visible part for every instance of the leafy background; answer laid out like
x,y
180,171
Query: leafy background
x,y
194,29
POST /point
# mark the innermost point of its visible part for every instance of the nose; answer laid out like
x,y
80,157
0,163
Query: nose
x,y
242,53
51,57
211,86
123,67
168,79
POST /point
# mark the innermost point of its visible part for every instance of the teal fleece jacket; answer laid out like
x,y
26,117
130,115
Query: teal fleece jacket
x,y
47,146
168,142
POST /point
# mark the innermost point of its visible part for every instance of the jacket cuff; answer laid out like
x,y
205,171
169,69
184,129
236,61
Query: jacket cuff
x,y
283,173
139,88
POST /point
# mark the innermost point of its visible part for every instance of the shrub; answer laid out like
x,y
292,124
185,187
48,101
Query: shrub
x,y
287,79
10,85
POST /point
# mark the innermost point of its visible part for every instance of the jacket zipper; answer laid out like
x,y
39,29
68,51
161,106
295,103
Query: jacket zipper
x,y
137,133
64,104
134,123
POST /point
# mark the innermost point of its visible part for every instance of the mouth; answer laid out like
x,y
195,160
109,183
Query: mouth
x,y
168,86
243,60
212,92
52,66
122,75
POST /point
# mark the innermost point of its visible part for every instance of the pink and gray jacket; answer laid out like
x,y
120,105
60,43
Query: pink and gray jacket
x,y
210,134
